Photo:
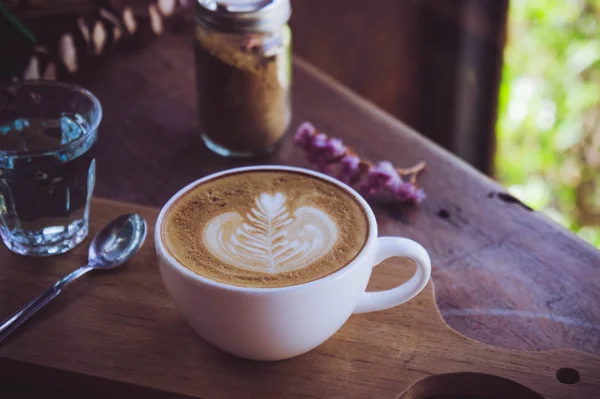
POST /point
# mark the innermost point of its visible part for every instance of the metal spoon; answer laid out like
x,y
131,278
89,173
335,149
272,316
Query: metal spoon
x,y
113,245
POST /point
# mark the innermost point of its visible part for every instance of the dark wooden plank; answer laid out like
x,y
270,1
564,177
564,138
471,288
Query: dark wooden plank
x,y
385,36
503,274
462,45
117,334
434,64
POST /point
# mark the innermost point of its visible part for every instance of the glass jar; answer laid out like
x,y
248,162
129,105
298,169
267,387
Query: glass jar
x,y
243,74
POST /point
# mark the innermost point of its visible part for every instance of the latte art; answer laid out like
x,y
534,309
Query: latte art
x,y
271,239
265,228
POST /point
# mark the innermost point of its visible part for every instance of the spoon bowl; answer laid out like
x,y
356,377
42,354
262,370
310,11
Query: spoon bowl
x,y
117,242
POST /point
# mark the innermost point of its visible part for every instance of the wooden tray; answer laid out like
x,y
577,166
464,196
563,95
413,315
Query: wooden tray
x,y
117,334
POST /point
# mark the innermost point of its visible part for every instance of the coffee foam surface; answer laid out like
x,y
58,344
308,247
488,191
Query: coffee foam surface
x,y
265,228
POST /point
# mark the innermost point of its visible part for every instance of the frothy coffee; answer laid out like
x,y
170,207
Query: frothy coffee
x,y
265,228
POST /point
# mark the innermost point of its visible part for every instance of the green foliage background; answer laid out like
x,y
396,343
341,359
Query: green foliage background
x,y
548,128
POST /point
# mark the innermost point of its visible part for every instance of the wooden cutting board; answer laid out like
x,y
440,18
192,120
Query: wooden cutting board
x,y
117,334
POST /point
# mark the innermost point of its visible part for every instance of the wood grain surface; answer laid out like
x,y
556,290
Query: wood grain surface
x,y
117,334
504,275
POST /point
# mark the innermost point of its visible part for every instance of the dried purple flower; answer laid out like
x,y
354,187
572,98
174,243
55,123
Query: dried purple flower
x,y
303,135
327,152
419,195
350,168
335,149
409,192
318,142
321,149
386,173
382,176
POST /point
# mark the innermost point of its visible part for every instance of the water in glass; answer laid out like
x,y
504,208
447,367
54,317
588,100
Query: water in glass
x,y
47,174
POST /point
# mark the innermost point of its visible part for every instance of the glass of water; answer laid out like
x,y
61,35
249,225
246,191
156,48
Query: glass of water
x,y
48,134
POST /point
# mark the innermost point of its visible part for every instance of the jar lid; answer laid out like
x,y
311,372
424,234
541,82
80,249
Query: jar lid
x,y
243,16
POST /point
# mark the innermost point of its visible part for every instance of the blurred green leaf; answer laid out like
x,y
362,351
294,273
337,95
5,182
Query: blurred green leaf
x,y
549,109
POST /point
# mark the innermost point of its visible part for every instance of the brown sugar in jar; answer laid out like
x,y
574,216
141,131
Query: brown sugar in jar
x,y
243,75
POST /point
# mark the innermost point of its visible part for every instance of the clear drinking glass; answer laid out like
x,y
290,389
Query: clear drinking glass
x,y
48,133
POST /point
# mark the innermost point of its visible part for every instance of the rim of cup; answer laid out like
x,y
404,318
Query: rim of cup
x,y
338,274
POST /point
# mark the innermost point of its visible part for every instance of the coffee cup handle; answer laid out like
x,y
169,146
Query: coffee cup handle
x,y
388,247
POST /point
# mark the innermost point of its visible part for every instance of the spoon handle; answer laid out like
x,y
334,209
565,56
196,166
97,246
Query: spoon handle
x,y
12,323
15,321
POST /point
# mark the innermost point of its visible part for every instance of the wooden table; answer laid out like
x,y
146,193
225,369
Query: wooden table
x,y
503,274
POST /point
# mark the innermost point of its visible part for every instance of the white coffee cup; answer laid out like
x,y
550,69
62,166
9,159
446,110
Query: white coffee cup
x,y
279,323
